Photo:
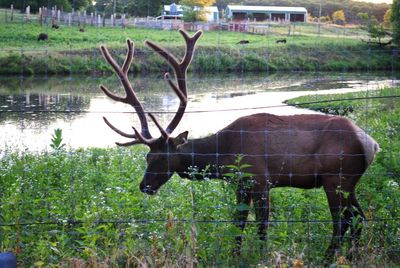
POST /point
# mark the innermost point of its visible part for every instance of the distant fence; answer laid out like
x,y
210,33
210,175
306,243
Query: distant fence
x,y
54,16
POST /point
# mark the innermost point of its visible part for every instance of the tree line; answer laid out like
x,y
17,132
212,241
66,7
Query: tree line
x,y
143,8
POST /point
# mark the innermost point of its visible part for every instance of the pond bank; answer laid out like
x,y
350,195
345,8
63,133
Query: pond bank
x,y
208,59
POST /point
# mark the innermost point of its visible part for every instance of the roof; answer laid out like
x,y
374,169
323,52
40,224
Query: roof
x,y
237,8
179,8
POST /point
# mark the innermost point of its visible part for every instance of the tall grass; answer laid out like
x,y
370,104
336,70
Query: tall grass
x,y
70,51
84,208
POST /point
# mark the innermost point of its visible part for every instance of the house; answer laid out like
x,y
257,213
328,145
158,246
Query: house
x,y
175,11
263,13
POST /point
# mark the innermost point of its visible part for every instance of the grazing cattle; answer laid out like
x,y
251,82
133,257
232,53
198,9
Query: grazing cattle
x,y
43,37
243,42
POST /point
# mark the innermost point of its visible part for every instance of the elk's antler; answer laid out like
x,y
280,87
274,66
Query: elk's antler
x,y
179,87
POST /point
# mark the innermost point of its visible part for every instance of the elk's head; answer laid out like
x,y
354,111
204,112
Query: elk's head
x,y
163,159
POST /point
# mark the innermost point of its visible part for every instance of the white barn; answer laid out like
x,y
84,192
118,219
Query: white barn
x,y
262,13
176,11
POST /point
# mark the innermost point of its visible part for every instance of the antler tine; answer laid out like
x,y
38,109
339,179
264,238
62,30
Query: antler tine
x,y
180,69
129,56
124,134
190,43
130,97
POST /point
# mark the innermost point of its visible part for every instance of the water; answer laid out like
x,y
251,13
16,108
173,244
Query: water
x,y
31,108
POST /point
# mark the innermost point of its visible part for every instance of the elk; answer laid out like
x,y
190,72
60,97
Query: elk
x,y
304,151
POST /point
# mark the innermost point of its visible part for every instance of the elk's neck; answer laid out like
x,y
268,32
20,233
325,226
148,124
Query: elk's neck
x,y
202,155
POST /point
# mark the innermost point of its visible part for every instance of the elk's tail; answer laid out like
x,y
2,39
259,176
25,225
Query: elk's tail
x,y
370,146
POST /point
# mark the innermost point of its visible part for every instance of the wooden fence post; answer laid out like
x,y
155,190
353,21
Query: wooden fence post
x,y
12,12
123,20
27,13
40,16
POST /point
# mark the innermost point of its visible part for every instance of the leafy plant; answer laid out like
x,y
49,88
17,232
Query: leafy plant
x,y
57,140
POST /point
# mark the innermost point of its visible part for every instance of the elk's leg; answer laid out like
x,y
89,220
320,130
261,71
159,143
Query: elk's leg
x,y
355,223
340,207
243,200
261,206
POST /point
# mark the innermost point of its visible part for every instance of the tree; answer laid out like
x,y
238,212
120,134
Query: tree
x,y
338,17
376,30
386,18
395,18
193,9
137,8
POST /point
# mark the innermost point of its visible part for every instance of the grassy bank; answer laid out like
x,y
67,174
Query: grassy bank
x,y
70,51
84,207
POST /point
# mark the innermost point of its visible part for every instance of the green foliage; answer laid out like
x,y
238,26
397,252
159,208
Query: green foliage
x,y
338,17
66,5
395,18
377,31
70,51
57,140
84,207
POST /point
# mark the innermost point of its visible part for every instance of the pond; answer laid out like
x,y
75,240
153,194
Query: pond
x,y
32,107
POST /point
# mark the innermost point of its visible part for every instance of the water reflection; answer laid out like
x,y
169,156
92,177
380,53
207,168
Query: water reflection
x,y
31,108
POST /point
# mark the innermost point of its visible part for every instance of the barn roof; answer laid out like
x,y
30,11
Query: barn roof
x,y
239,8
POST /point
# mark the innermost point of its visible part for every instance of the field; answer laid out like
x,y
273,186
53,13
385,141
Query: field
x,y
70,51
84,207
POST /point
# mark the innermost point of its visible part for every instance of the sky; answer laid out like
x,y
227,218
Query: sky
x,y
377,1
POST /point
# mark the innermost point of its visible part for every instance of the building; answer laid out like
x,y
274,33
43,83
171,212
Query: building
x,y
174,11
263,13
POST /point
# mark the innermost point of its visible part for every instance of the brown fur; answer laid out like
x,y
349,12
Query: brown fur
x,y
303,151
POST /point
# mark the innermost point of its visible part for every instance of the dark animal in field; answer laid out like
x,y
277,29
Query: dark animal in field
x,y
82,30
43,37
55,26
243,42
303,151
283,41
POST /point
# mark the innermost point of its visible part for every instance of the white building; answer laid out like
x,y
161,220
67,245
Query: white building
x,y
262,13
174,11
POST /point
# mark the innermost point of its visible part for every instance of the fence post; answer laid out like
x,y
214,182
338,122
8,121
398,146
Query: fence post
x,y
44,10
98,20
79,18
69,19
12,12
40,16
91,19
123,20
112,19
27,12
84,19
58,16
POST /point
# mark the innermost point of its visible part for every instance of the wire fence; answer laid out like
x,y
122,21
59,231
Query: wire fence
x,y
80,207
49,17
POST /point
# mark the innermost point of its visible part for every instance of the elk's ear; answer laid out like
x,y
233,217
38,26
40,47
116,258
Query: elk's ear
x,y
181,139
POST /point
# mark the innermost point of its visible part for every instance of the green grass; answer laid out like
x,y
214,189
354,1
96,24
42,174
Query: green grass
x,y
70,51
84,207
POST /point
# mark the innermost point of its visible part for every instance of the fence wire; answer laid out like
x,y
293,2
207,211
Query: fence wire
x,y
79,205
